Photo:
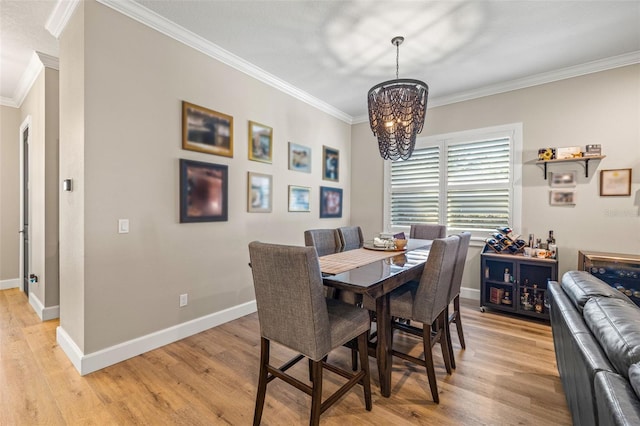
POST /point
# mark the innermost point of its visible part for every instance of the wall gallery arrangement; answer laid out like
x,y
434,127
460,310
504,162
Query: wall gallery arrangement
x,y
204,186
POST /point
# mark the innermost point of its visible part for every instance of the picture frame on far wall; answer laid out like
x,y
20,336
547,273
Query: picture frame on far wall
x,y
615,182
206,130
330,202
330,164
562,197
299,158
563,179
299,198
260,142
204,195
259,192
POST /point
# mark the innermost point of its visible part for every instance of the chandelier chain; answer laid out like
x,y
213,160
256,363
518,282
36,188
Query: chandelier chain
x,y
397,59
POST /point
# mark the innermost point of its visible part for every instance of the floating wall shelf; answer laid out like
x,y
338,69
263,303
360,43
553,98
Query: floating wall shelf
x,y
584,160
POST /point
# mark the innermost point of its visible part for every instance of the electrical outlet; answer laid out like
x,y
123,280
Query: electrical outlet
x,y
184,299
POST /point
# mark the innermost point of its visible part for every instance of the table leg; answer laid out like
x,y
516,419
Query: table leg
x,y
383,349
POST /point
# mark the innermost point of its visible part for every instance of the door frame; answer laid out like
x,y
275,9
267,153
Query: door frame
x,y
26,124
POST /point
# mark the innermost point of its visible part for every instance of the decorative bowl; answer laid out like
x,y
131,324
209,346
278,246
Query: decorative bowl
x,y
400,244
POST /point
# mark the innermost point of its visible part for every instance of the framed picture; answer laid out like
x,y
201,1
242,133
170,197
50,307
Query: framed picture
x,y
203,192
330,202
299,158
330,163
259,193
564,179
205,130
260,142
299,198
561,197
615,182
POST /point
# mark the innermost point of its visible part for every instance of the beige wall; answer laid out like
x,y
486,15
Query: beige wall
x,y
601,108
41,104
9,193
125,165
72,136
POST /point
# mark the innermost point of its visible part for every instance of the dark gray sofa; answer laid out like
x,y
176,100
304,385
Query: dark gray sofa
x,y
596,335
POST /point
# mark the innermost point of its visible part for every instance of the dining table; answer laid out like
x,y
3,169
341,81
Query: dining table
x,y
376,272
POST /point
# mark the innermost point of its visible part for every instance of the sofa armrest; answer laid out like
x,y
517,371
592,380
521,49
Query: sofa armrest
x,y
617,402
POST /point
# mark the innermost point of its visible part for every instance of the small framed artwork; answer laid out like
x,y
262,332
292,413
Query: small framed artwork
x,y
330,163
330,202
206,130
560,197
564,179
203,192
299,198
259,193
615,182
299,158
260,142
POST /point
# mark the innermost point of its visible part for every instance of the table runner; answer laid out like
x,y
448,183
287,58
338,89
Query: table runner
x,y
344,261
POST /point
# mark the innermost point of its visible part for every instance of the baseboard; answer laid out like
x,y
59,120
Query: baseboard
x,y
45,313
86,364
470,293
12,283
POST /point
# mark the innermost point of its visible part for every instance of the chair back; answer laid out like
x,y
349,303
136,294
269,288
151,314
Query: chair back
x,y
461,258
292,309
427,231
433,291
351,237
326,241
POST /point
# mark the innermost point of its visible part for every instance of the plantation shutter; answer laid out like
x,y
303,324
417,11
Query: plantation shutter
x,y
415,188
478,185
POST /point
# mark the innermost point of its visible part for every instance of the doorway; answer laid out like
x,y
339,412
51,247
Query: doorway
x,y
25,253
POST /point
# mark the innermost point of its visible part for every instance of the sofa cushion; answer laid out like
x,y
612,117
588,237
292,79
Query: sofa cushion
x,y
615,324
581,286
617,403
634,378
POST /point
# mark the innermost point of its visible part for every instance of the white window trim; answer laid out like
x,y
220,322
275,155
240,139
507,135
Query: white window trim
x,y
512,131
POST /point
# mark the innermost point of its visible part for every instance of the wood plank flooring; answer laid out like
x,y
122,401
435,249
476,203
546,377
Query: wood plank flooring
x,y
506,376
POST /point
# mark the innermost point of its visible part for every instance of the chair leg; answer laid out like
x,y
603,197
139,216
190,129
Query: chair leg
x,y
428,362
354,359
364,362
262,380
316,394
452,358
456,310
445,340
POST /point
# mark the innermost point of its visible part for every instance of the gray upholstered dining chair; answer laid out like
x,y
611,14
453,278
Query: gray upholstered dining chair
x,y
426,302
326,241
427,231
351,237
293,311
454,294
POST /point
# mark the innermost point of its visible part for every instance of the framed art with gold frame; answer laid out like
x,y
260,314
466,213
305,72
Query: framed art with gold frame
x,y
206,130
260,142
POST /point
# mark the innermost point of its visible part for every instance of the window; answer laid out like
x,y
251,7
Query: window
x,y
469,181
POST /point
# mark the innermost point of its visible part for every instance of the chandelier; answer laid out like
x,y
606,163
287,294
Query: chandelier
x,y
396,112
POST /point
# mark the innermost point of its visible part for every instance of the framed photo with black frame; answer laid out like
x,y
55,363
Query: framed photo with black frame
x,y
330,202
203,192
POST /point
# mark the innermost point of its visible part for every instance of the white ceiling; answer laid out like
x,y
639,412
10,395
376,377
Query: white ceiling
x,y
334,51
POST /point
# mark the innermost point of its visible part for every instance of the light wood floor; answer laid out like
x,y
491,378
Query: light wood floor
x,y
506,376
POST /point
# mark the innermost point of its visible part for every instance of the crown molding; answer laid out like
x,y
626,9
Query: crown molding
x,y
543,78
37,63
534,80
49,61
60,16
146,17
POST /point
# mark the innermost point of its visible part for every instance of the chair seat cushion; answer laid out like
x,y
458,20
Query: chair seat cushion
x,y
346,321
581,286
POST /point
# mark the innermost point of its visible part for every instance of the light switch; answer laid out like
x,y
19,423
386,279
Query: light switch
x,y
123,226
